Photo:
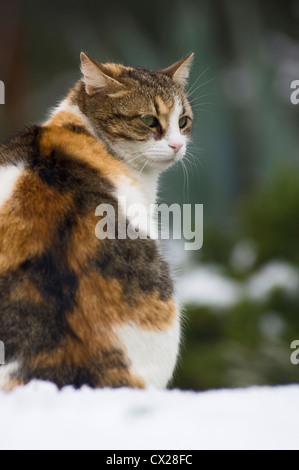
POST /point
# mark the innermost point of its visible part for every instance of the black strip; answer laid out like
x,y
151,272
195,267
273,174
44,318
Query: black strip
x,y
76,129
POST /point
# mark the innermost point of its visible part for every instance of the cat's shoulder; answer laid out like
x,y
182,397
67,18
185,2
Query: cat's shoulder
x,y
19,148
15,153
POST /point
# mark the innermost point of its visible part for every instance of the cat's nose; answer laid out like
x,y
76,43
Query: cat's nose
x,y
176,146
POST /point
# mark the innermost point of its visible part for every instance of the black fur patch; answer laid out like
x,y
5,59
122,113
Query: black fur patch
x,y
67,175
29,328
138,266
76,129
20,147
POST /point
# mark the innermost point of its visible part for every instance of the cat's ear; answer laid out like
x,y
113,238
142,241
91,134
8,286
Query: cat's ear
x,y
180,71
97,76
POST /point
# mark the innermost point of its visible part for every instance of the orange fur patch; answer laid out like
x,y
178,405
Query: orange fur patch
x,y
26,291
103,305
28,222
11,385
84,148
64,118
164,111
114,69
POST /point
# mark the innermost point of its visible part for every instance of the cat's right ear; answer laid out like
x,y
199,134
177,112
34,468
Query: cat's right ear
x,y
95,76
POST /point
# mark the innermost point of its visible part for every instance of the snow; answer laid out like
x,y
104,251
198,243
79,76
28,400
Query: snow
x,y
208,286
244,255
275,275
40,417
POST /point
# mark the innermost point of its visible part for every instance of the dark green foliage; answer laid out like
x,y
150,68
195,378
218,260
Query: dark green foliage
x,y
271,216
249,343
246,345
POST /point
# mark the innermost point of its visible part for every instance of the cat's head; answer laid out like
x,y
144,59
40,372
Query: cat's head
x,y
144,116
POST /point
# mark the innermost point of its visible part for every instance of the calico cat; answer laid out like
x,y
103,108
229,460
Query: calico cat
x,y
76,310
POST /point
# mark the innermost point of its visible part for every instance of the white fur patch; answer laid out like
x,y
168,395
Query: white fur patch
x,y
9,175
6,373
174,135
135,204
153,355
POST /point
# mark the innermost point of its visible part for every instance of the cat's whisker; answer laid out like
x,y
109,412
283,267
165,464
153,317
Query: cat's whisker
x,y
186,180
144,166
197,99
188,183
190,91
202,104
191,163
201,85
198,151
135,158
209,111
210,93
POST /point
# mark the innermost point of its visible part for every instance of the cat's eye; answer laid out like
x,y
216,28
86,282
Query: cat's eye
x,y
150,121
183,122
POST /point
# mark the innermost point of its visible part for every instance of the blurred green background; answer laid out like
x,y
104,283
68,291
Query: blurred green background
x,y
241,291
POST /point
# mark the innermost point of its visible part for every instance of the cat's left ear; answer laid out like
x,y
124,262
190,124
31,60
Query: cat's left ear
x,y
180,71
97,76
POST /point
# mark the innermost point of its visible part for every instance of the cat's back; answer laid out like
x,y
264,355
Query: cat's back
x,y
75,309
49,180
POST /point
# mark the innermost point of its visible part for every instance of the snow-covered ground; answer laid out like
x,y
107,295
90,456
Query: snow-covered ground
x,y
40,417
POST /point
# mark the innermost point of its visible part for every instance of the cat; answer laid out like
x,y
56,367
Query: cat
x,y
76,310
